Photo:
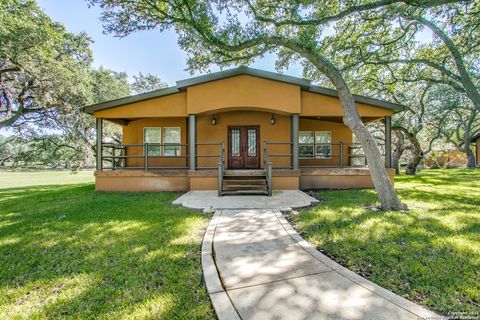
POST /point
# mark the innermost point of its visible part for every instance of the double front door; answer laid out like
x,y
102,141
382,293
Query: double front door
x,y
243,147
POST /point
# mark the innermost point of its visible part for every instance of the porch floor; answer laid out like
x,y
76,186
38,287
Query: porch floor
x,y
208,200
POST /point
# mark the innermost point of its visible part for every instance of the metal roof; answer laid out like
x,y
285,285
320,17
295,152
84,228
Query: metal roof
x,y
242,70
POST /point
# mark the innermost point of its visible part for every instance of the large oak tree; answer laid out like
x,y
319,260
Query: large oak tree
x,y
235,32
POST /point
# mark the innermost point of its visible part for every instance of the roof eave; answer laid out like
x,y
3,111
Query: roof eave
x,y
130,99
358,98
243,70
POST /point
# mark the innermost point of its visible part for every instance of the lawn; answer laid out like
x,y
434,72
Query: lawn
x,y
429,255
13,179
69,252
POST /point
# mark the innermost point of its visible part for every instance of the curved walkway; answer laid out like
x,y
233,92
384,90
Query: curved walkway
x,y
257,267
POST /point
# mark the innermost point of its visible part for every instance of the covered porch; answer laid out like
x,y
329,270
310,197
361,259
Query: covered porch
x,y
292,152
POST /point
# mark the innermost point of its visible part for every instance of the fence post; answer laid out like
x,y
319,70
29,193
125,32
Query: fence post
x,y
222,153
220,178
269,178
145,150
265,151
99,123
294,145
341,154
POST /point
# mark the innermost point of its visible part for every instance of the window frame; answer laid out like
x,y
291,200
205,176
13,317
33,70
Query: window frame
x,y
159,147
327,144
314,145
172,144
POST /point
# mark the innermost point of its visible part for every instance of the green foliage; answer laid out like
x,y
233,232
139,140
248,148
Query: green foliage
x,y
72,253
146,83
429,255
42,66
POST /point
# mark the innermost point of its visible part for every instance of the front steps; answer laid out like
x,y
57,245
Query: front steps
x,y
244,182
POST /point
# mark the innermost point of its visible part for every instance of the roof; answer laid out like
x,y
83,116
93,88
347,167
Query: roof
x,y
242,70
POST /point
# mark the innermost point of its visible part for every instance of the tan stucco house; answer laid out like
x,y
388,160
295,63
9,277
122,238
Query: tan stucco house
x,y
239,130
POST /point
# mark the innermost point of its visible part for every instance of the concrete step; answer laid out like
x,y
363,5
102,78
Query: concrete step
x,y
244,192
244,181
244,173
244,186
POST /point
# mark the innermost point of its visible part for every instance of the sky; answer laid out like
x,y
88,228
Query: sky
x,y
152,51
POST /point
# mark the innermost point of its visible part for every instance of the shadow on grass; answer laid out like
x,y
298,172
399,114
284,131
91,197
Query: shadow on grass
x,y
67,251
430,254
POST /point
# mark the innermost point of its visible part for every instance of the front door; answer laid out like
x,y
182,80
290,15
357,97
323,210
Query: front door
x,y
243,148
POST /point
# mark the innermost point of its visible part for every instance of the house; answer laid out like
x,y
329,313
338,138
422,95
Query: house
x,y
241,129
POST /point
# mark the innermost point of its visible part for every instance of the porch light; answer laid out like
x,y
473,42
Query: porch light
x,y
273,120
214,120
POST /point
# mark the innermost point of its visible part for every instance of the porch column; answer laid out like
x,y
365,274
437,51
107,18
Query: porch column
x,y
388,142
191,140
294,135
99,143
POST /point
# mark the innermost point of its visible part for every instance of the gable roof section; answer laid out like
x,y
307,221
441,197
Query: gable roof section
x,y
242,70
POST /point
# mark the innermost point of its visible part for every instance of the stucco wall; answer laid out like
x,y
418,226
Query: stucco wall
x,y
336,178
236,93
174,105
206,132
133,134
314,104
243,92
339,131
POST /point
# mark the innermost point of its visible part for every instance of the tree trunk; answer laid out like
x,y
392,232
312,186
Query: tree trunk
x,y
398,149
417,156
383,186
471,158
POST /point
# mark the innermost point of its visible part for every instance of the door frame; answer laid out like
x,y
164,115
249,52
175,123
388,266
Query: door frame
x,y
229,155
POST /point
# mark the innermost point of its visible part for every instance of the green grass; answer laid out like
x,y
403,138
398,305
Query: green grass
x,y
429,255
13,179
69,252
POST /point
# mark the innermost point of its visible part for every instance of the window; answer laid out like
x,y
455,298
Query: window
x,y
323,144
305,141
171,140
315,144
153,136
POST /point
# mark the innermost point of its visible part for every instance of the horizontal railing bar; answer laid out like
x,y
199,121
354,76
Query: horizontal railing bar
x,y
125,168
346,166
277,142
126,157
149,144
208,143
152,168
208,155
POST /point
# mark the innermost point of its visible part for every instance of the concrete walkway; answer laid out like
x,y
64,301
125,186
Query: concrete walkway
x,y
257,267
208,200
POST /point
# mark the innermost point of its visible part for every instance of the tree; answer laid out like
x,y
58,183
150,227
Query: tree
x,y
146,83
465,125
237,32
385,53
78,129
42,66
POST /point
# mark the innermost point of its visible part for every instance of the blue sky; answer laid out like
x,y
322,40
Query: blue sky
x,y
147,52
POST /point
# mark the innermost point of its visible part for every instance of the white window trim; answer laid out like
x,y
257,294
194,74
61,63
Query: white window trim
x,y
303,144
173,144
160,142
314,145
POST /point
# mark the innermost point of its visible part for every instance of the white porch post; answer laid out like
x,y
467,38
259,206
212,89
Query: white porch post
x,y
191,140
294,129
99,143
388,142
